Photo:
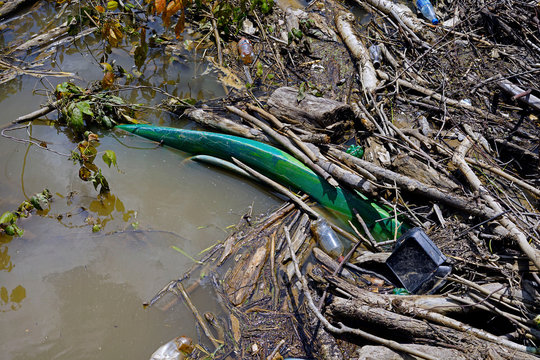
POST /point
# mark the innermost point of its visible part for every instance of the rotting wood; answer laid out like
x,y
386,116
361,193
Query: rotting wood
x,y
8,8
311,109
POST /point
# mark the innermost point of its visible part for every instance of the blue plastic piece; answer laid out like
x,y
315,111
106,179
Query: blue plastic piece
x,y
425,7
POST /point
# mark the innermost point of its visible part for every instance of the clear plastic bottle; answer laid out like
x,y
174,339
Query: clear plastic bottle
x,y
327,238
176,349
245,50
425,7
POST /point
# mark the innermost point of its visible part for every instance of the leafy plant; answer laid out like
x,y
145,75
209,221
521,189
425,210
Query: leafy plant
x,y
85,154
8,220
83,108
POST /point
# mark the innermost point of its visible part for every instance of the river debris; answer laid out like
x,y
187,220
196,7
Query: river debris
x,y
444,148
449,124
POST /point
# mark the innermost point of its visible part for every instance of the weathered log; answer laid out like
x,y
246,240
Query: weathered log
x,y
12,6
433,303
225,125
410,328
42,39
370,352
314,110
414,186
368,76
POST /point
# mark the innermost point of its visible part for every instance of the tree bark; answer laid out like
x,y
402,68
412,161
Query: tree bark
x,y
314,110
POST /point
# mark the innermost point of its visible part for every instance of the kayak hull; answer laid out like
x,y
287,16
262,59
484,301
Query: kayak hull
x,y
277,165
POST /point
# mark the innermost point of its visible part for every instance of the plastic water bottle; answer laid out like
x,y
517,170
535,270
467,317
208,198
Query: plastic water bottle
x,y
245,50
427,10
176,349
327,238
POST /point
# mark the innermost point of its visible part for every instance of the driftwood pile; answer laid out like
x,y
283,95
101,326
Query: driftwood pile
x,y
450,125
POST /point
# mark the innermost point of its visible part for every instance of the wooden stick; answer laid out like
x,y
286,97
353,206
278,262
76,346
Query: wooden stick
x,y
342,329
198,316
285,143
279,188
519,237
359,51
505,175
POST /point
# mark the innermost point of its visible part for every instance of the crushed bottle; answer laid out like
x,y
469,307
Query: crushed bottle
x,y
327,238
245,51
425,7
355,150
176,349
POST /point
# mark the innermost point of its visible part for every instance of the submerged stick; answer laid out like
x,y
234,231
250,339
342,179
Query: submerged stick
x,y
198,316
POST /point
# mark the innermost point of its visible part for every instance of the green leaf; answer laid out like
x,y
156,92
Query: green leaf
x,y
301,92
7,218
110,158
297,33
112,5
259,69
85,107
18,230
75,119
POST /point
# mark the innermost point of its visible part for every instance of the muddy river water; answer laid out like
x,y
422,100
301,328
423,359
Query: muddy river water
x,y
67,292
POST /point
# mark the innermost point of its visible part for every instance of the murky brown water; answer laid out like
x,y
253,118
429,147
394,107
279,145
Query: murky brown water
x,y
68,293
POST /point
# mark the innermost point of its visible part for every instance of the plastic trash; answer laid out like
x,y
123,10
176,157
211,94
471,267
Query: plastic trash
x,y
417,263
327,238
375,54
176,349
425,7
355,150
245,50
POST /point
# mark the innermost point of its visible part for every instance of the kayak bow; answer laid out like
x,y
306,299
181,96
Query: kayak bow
x,y
277,165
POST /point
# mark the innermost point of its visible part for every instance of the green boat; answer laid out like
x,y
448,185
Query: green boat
x,y
280,167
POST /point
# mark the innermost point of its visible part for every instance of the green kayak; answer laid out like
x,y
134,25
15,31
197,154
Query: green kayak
x,y
277,165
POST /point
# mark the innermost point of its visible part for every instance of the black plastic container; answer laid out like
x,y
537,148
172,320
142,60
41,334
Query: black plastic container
x,y
416,261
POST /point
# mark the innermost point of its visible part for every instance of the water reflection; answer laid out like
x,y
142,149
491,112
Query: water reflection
x,y
105,207
13,300
5,259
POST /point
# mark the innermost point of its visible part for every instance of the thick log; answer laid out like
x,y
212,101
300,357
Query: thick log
x,y
370,352
409,329
225,125
314,110
43,39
